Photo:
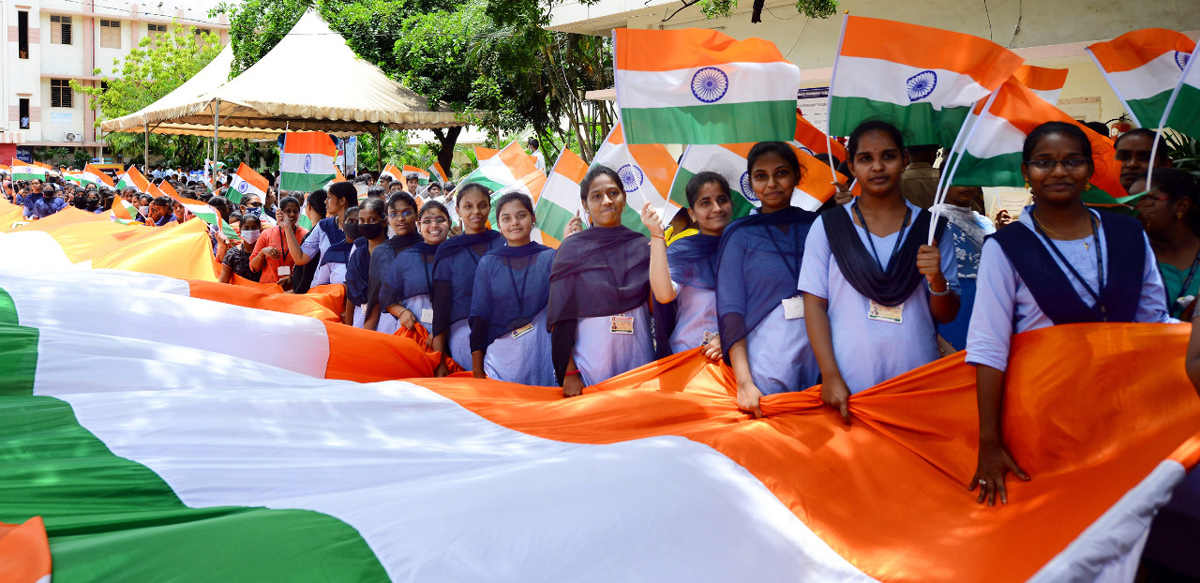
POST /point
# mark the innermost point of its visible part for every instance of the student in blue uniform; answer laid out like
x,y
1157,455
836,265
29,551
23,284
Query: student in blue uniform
x,y
599,313
758,264
327,231
402,217
1060,263
454,276
332,265
509,340
872,287
409,280
683,276
372,230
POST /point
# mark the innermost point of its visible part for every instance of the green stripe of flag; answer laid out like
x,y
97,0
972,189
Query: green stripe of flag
x,y
1150,110
1185,114
304,182
741,206
112,519
733,123
1002,170
920,123
552,219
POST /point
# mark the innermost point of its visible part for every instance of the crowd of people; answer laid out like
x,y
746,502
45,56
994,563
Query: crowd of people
x,y
846,297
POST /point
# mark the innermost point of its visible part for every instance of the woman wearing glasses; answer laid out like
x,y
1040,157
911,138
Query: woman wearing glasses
x,y
1171,217
454,276
409,280
1060,263
509,340
402,217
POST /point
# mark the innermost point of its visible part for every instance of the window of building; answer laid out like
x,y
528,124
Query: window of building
x,y
110,34
60,93
156,28
24,111
203,31
60,29
22,35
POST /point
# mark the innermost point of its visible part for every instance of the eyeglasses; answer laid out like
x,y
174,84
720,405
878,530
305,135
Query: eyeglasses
x,y
255,205
432,222
1068,164
404,214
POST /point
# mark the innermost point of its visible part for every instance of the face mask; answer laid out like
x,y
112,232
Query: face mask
x,y
93,205
370,231
145,210
250,236
351,230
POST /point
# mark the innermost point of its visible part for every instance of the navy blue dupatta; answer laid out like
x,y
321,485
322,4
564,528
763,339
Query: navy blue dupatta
x,y
512,284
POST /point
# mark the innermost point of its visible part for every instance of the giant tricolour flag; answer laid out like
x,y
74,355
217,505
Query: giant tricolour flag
x,y
1045,83
922,80
646,171
729,160
133,178
247,182
307,162
1143,67
994,152
701,86
560,201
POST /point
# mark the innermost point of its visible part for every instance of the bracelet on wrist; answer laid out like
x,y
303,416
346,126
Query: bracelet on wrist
x,y
939,294
663,237
571,373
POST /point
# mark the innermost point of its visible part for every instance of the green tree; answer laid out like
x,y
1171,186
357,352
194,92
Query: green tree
x,y
723,8
148,72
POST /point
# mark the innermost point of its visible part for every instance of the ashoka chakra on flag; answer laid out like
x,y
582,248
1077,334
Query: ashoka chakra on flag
x,y
1181,59
710,84
747,190
632,177
921,85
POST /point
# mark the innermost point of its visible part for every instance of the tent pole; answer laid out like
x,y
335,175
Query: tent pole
x,y
146,145
216,133
379,150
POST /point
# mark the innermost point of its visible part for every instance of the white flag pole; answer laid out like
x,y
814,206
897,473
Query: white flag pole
x,y
947,178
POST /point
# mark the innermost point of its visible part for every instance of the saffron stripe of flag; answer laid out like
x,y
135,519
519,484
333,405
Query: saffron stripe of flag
x,y
422,176
392,171
646,171
482,153
90,175
122,210
510,170
560,202
133,178
812,140
308,161
922,80
202,210
1045,83
246,181
994,154
729,160
701,86
337,177
1143,67
43,165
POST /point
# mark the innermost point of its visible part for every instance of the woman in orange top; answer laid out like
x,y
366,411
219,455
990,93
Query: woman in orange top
x,y
270,256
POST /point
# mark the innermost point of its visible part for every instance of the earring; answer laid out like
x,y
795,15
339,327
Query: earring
x,y
1088,187
1026,185
1179,215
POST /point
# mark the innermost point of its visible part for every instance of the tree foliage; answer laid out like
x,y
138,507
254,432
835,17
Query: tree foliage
x,y
148,72
809,8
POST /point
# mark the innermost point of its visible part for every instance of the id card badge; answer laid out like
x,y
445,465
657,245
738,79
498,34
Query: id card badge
x,y
793,307
523,330
893,314
708,336
284,271
427,316
622,324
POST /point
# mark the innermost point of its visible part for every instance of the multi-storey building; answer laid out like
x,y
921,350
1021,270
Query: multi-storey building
x,y
48,43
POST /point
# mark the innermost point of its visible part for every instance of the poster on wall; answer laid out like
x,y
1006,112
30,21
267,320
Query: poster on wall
x,y
813,104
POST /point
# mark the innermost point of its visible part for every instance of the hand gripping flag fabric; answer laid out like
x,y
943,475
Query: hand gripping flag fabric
x,y
281,474
1144,67
921,80
646,171
994,149
247,182
559,202
308,161
1045,83
701,86
729,160
133,177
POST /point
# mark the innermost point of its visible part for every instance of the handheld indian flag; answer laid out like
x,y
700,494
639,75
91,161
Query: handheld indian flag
x,y
422,176
123,212
729,160
202,211
392,171
1043,82
307,162
994,149
482,153
813,141
436,170
23,171
1185,114
560,201
921,80
337,177
133,178
646,171
510,170
1143,67
247,181
43,165
701,86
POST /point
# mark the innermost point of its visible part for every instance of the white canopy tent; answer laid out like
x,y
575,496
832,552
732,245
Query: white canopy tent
x,y
310,81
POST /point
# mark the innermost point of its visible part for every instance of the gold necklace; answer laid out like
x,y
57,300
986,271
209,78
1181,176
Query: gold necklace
x,y
1041,225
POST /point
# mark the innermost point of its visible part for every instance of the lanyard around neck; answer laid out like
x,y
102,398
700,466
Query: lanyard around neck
x,y
899,235
1096,294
